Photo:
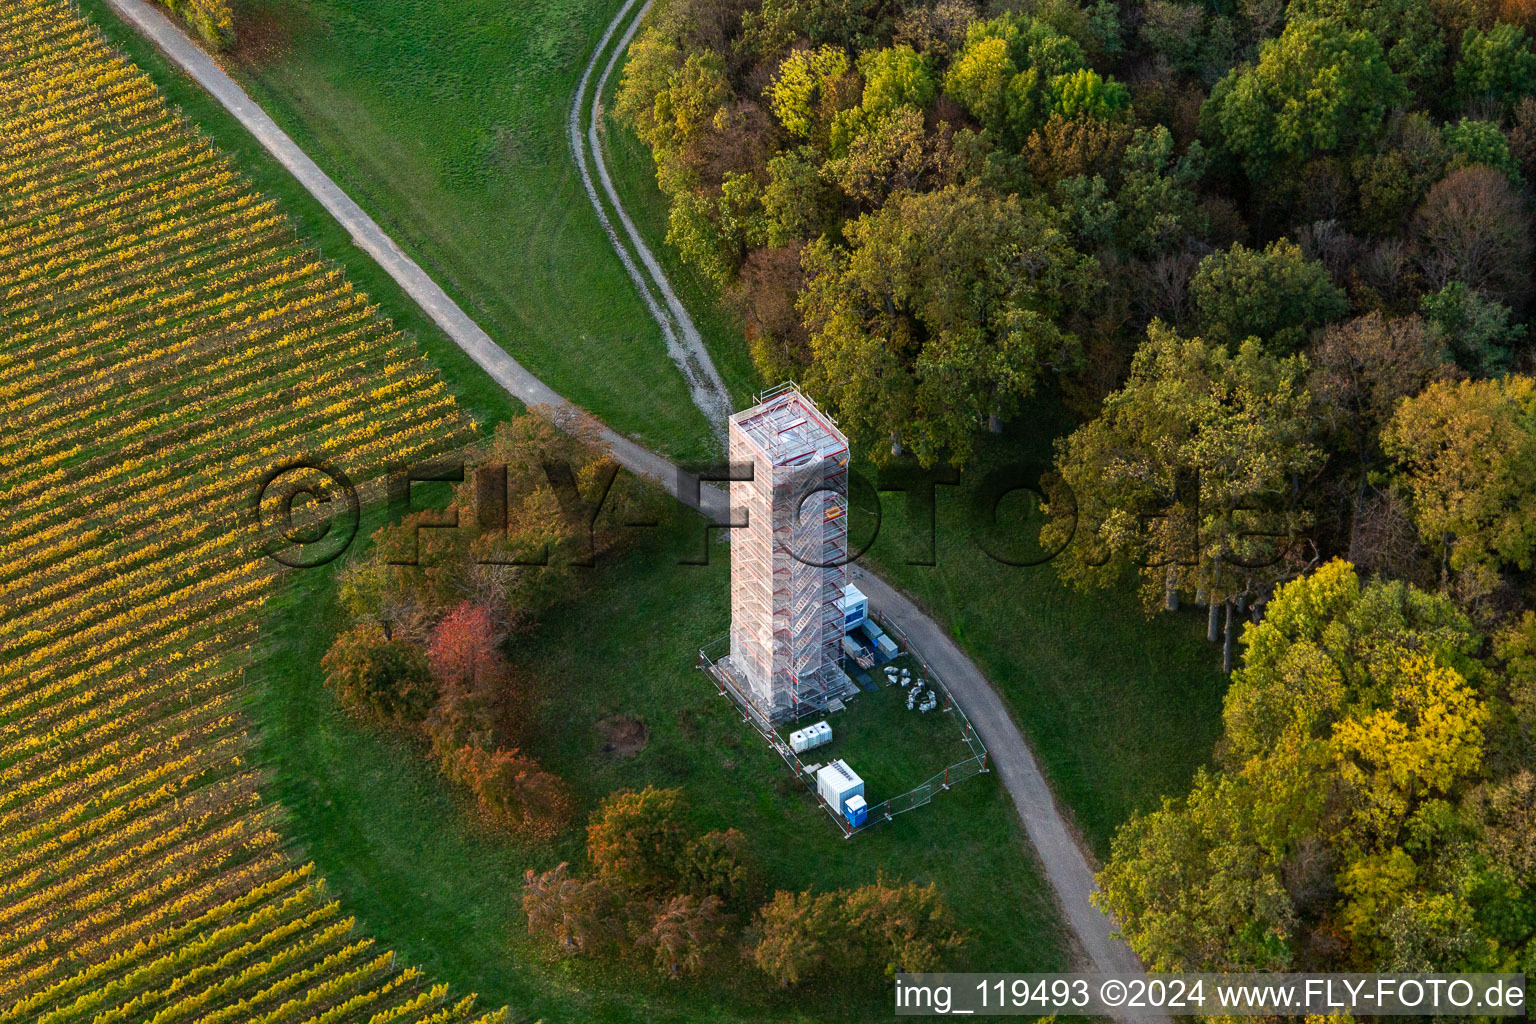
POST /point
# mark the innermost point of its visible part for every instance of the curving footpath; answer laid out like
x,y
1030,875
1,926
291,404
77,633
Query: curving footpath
x,y
1063,863
684,342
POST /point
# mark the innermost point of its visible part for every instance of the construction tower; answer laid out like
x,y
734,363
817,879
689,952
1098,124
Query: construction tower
x,y
788,563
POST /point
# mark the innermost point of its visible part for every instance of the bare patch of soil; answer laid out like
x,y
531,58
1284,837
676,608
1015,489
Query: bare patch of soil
x,y
623,736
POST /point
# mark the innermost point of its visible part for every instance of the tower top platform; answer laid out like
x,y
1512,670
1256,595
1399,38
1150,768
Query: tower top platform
x,y
788,429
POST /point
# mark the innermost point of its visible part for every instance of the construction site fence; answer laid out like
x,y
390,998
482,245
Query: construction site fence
x,y
712,654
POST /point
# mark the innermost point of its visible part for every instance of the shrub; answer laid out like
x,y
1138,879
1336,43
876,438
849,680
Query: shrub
x,y
511,789
212,20
686,934
638,839
590,916
720,864
387,678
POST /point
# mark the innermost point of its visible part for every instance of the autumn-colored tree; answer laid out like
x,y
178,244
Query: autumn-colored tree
x,y
687,934
1361,369
1473,228
878,927
1515,650
591,916
900,928
638,838
473,679
1015,72
764,297
886,153
799,934
1065,147
1466,451
511,790
387,678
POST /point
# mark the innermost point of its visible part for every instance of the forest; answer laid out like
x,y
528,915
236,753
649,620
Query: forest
x,y
1276,259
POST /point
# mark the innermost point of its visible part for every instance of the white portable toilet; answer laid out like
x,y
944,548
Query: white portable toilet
x,y
835,783
855,607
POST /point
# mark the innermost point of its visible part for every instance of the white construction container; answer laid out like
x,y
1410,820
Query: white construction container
x,y
819,734
799,742
835,783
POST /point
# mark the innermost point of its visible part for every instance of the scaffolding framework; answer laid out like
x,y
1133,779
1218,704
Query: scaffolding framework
x,y
788,564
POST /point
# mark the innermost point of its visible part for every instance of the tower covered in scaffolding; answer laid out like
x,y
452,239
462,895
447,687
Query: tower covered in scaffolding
x,y
788,564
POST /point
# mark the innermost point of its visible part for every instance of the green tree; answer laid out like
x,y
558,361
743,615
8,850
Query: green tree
x,y
1318,88
939,313
714,229
1189,475
1393,180
721,864
1409,32
1330,836
798,202
1159,201
1496,66
807,90
1277,295
1082,93
1480,332
1189,889
1014,71
897,76
1480,142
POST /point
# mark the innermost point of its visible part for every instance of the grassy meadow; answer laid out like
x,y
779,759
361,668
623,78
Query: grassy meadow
x,y
402,850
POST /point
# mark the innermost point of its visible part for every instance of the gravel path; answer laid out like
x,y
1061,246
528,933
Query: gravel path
x,y
1063,863
684,343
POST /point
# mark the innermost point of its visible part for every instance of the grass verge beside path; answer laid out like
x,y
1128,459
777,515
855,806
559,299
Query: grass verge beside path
x,y
397,846
446,123
1119,708
486,400
634,178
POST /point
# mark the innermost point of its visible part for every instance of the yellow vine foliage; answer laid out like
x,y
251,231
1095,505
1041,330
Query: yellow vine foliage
x,y
165,338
